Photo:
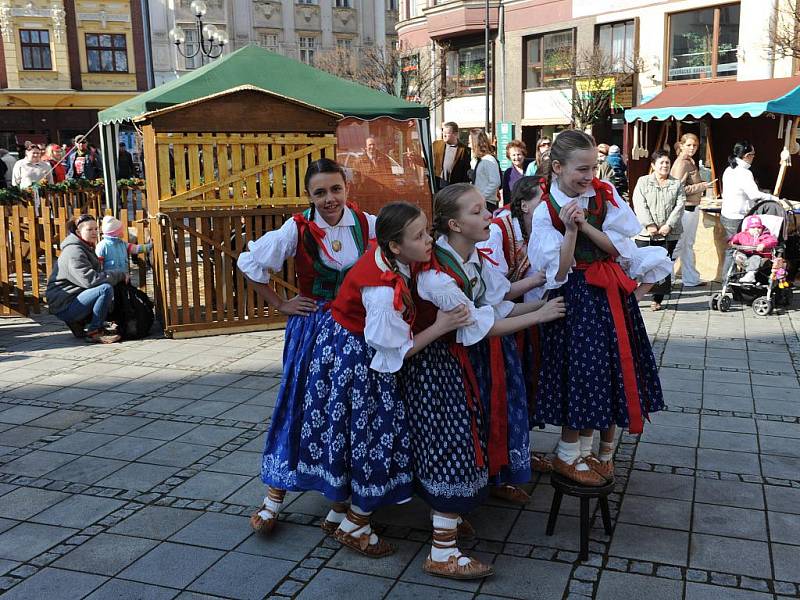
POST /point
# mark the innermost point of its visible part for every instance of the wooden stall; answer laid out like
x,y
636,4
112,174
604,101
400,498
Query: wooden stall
x,y
720,114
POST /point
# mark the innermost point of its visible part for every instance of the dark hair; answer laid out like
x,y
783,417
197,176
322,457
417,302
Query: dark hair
x,y
451,125
445,205
524,189
391,224
739,150
75,222
658,154
562,148
322,165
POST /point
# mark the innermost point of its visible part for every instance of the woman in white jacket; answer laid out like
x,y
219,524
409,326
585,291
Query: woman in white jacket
x,y
485,168
739,193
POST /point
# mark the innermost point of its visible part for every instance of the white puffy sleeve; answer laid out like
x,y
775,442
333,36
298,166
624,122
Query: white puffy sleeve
x,y
268,253
496,286
371,222
648,264
544,250
495,244
385,330
441,290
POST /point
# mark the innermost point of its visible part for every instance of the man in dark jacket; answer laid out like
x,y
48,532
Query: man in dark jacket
x,y
450,158
82,162
125,166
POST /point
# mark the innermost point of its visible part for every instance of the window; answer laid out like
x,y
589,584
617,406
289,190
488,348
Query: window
x,y
549,60
391,5
106,53
35,45
269,41
343,4
409,77
703,43
306,1
466,71
190,46
616,41
344,43
307,47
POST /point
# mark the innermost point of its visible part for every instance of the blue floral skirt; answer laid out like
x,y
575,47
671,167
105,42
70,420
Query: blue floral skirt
x,y
518,467
279,460
443,430
354,440
580,379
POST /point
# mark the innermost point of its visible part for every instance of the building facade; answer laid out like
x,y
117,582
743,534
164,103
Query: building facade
x,y
650,44
63,60
295,28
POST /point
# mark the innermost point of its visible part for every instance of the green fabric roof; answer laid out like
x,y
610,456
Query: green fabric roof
x,y
255,66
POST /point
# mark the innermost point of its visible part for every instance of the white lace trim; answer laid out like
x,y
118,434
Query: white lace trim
x,y
442,489
368,491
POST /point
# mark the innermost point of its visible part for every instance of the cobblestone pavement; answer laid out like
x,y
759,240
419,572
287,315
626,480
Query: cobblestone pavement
x,y
129,471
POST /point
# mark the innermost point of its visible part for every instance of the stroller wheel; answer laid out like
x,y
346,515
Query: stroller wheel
x,y
762,306
713,302
725,302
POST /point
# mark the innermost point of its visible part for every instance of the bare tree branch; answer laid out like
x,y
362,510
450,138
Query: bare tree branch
x,y
785,29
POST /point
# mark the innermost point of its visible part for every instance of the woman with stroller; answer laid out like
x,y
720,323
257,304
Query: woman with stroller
x,y
739,194
658,201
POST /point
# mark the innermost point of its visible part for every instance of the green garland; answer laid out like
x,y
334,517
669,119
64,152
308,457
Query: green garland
x,y
16,195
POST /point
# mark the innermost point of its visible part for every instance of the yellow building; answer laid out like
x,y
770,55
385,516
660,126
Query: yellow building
x,y
63,60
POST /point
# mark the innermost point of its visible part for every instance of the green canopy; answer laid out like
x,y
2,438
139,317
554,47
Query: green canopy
x,y
255,66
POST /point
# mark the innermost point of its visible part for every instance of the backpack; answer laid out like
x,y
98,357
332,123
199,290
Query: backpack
x,y
133,312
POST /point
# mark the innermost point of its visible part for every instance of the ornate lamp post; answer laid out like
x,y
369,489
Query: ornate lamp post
x,y
211,40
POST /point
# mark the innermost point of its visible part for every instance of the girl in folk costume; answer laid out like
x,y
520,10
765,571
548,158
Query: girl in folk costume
x,y
325,241
598,368
441,390
355,440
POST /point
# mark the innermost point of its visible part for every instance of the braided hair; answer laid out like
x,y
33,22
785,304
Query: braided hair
x,y
564,145
525,189
322,165
445,205
390,226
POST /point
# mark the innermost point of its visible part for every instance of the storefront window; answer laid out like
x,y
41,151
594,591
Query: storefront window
x,y
549,60
703,43
466,71
616,40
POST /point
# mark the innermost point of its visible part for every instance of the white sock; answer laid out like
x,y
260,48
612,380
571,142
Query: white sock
x,y
335,517
354,529
445,525
586,445
570,452
606,451
272,506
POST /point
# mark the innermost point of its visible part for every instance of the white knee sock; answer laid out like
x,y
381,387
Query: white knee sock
x,y
354,529
606,451
586,445
444,524
272,504
570,452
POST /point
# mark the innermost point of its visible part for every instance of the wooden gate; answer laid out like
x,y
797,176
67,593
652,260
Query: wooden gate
x,y
210,191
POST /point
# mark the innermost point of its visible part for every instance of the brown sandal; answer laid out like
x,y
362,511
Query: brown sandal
x,y
604,468
261,525
510,493
540,463
361,543
570,471
474,569
656,306
329,527
465,530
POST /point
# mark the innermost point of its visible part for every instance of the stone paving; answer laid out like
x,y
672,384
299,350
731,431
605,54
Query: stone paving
x,y
129,471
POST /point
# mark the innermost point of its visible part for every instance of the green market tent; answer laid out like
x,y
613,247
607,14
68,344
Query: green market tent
x,y
254,66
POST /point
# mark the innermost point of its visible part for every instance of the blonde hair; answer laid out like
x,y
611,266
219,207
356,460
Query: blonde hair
x,y
679,144
446,207
564,145
481,146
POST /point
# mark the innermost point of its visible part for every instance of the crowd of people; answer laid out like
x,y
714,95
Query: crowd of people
x,y
55,163
419,364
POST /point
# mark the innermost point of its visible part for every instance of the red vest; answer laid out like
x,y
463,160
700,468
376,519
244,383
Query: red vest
x,y
348,308
314,278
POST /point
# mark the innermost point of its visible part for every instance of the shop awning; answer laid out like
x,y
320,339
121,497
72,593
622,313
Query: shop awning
x,y
719,98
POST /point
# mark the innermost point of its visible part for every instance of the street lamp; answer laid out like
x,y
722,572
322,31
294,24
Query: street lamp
x,y
210,39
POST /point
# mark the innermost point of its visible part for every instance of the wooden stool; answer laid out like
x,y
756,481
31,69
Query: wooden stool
x,y
562,485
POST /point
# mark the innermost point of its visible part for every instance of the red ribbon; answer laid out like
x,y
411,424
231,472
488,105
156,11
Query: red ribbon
x,y
609,275
316,232
498,408
398,284
471,391
484,253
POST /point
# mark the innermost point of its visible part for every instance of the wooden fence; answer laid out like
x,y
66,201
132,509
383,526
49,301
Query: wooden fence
x,y
30,238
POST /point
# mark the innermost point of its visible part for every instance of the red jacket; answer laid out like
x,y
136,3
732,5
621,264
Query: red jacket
x,y
743,238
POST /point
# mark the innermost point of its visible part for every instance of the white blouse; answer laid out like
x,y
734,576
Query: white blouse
x,y
267,254
384,328
489,287
495,242
740,192
647,265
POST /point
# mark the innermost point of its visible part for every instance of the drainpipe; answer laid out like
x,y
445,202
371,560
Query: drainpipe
x,y
501,34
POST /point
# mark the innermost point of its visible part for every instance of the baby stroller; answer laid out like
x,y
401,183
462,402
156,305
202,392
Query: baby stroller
x,y
769,288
